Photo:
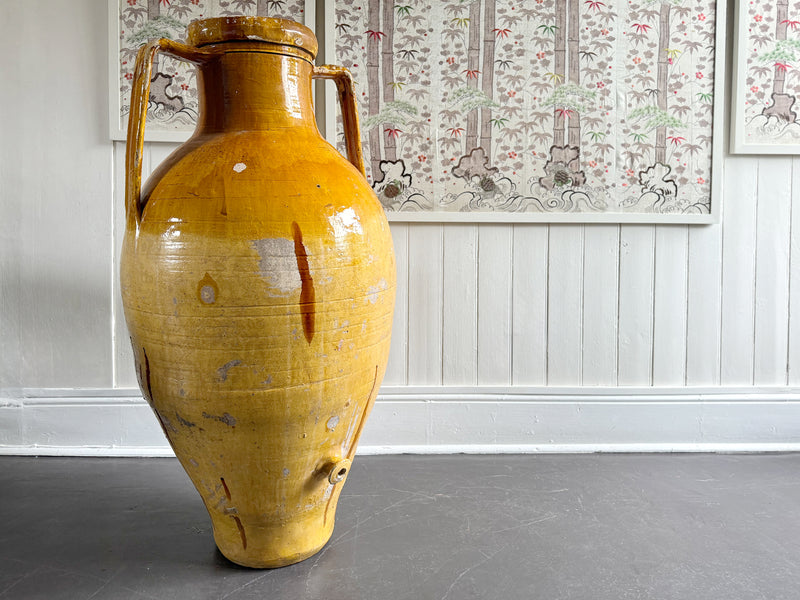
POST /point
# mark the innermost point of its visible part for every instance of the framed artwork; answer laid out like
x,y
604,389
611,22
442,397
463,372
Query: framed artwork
x,y
766,80
494,110
539,110
173,107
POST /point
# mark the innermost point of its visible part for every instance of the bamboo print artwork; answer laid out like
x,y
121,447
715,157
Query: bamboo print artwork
x,y
173,93
767,111
546,106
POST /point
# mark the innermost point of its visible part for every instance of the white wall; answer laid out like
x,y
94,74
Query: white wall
x,y
56,175
528,336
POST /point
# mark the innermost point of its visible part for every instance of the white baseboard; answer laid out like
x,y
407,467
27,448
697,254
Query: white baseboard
x,y
437,420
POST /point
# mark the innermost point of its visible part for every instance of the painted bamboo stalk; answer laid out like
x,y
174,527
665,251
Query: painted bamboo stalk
x,y
387,56
487,75
559,68
781,26
573,42
153,12
373,82
473,65
662,78
782,105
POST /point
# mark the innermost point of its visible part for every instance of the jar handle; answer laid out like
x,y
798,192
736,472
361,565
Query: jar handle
x,y
140,99
347,101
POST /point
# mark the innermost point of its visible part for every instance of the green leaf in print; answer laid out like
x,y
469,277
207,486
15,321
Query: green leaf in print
x,y
570,96
469,98
784,51
548,29
392,112
160,27
655,117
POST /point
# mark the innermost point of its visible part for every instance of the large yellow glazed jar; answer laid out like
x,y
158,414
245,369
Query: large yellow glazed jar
x,y
258,282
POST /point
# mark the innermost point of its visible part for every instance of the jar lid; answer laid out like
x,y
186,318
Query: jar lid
x,y
252,29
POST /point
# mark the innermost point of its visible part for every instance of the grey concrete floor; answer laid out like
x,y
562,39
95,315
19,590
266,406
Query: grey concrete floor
x,y
591,527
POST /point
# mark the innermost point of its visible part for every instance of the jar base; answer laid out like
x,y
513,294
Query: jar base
x,y
273,560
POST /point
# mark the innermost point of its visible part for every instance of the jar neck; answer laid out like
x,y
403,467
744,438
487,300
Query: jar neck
x,y
246,90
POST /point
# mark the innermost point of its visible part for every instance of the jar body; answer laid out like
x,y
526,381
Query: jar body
x,y
258,291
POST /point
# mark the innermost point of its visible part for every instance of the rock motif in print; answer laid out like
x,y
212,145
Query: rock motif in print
x,y
536,105
772,77
173,93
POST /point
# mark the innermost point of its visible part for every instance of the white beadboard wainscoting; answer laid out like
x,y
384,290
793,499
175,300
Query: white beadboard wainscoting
x,y
528,337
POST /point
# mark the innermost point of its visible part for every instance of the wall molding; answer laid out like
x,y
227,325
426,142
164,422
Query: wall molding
x,y
439,420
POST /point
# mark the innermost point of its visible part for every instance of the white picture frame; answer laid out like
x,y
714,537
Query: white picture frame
x,y
320,15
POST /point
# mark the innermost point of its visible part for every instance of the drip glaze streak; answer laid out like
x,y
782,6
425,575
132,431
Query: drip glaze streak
x,y
147,376
307,294
225,487
234,517
241,532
